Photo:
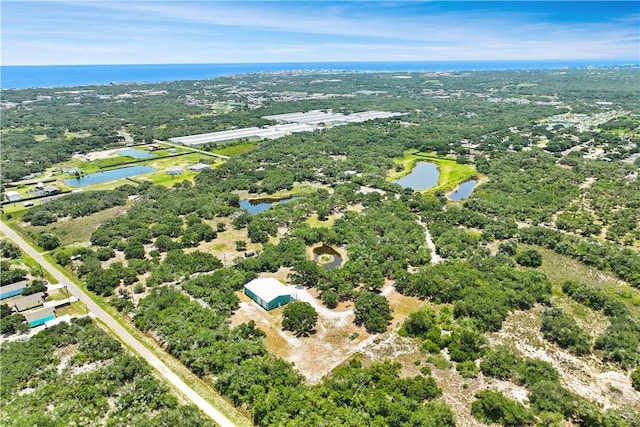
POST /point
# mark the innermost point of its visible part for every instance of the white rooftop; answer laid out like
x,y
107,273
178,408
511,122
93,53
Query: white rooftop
x,y
57,320
288,123
268,288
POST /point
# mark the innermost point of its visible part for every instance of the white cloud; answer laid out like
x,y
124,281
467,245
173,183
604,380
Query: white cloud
x,y
171,32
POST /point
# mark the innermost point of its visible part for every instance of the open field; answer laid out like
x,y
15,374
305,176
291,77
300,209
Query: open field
x,y
236,149
559,268
451,172
78,230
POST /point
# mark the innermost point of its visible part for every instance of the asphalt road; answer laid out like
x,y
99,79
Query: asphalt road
x,y
120,332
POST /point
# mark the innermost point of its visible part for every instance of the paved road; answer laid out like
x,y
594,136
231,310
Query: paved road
x,y
120,332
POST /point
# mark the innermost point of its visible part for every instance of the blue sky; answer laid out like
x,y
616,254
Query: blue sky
x,y
154,32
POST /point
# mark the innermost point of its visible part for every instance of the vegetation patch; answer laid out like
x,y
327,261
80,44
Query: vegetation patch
x,y
236,149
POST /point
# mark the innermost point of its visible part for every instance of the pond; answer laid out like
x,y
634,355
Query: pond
x,y
463,191
255,206
424,175
136,154
110,175
327,257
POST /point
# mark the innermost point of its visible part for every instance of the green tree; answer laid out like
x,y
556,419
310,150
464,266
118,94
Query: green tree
x,y
529,258
134,250
48,241
299,317
9,249
373,311
105,253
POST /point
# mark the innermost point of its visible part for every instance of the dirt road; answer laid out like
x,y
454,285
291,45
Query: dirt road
x,y
120,331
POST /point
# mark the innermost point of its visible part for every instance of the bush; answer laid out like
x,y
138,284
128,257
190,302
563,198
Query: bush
x,y
48,241
635,379
529,258
467,369
564,331
420,323
549,396
493,407
500,362
466,344
534,370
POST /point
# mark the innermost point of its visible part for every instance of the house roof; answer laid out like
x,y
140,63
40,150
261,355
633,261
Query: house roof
x,y
268,288
26,302
199,166
39,314
13,286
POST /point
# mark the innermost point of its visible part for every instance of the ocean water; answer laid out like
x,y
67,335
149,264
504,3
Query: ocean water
x,y
20,77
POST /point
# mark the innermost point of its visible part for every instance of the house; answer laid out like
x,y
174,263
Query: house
x,y
39,317
174,170
269,293
51,189
12,196
199,167
29,301
13,289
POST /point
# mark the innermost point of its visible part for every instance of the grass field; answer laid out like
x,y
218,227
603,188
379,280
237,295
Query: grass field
x,y
451,172
559,268
236,149
78,230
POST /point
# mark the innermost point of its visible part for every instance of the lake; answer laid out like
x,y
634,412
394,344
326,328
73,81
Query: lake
x,y
136,154
110,175
463,191
424,175
255,206
327,257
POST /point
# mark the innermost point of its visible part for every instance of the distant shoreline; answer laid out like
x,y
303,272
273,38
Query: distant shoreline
x,y
51,76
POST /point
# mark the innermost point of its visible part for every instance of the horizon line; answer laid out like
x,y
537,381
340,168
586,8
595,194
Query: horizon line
x,y
632,61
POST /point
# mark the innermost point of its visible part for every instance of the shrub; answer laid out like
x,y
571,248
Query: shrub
x,y
529,258
493,407
564,331
635,379
467,369
500,362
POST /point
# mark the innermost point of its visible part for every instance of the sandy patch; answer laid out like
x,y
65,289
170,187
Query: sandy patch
x,y
587,376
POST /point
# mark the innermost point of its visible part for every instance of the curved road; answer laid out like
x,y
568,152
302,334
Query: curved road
x,y
120,332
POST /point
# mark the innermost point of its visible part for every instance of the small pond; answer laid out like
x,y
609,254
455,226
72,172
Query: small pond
x,y
424,175
136,154
255,206
463,191
327,257
110,175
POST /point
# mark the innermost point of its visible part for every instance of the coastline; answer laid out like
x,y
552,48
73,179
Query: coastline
x,y
53,76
